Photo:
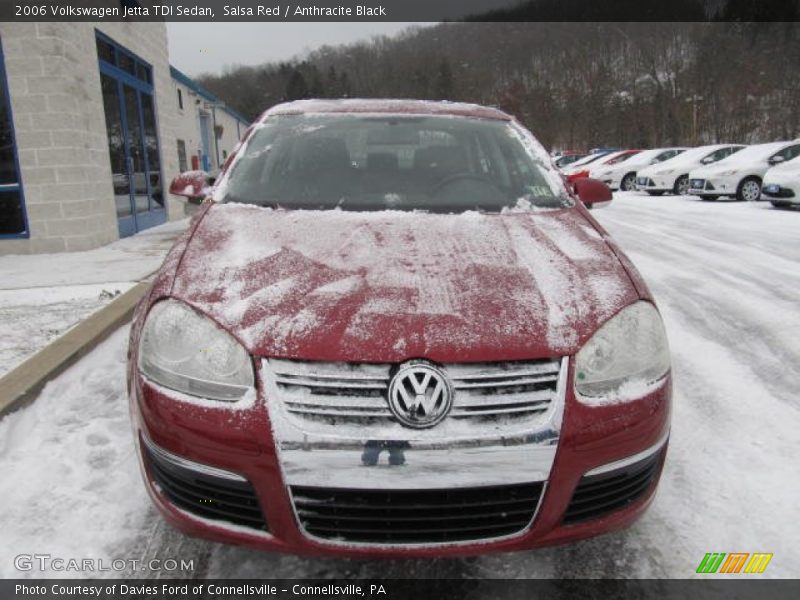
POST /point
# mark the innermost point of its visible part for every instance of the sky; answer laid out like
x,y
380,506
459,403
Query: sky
x,y
196,48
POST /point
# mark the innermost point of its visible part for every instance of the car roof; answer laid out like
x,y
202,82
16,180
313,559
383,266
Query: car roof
x,y
388,106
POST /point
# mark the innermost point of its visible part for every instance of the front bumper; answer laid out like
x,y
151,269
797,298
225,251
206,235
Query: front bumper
x,y
556,482
655,183
781,190
712,186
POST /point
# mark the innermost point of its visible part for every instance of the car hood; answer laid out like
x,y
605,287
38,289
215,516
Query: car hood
x,y
718,169
388,286
788,168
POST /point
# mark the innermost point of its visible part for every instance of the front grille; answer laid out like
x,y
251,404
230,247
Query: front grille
x,y
203,494
416,516
600,495
354,392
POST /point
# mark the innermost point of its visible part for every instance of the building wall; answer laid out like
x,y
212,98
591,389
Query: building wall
x,y
188,126
232,131
57,106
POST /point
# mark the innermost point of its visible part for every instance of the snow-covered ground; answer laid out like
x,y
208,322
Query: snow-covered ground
x,y
726,277
44,295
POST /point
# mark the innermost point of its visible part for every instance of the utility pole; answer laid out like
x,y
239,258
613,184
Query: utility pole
x,y
695,100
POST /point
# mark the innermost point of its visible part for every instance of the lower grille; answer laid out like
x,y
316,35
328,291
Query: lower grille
x,y
600,495
205,495
416,516
777,191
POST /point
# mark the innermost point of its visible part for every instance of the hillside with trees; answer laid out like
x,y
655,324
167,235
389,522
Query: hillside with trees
x,y
576,85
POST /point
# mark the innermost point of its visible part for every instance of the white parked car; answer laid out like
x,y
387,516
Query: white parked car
x,y
673,175
579,164
622,175
782,184
739,176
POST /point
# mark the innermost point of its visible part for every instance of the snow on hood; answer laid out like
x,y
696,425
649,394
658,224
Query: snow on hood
x,y
391,285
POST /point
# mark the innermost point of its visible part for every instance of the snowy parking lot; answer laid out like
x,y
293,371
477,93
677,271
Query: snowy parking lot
x,y
726,276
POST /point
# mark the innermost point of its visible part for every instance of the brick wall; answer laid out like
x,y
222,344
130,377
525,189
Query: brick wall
x,y
56,101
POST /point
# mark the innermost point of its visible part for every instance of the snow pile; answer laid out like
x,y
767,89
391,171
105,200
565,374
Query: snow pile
x,y
71,485
32,318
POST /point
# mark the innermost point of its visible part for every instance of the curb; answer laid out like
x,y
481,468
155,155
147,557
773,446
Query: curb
x,y
20,386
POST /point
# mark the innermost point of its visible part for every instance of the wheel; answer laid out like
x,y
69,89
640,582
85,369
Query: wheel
x,y
654,193
628,183
681,187
749,190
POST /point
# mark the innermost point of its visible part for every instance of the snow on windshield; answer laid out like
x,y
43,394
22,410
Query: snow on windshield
x,y
751,153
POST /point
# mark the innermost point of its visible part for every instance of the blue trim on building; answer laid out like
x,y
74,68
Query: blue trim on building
x,y
201,91
136,221
14,187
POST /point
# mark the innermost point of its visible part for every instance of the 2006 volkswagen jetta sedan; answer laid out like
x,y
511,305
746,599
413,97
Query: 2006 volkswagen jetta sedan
x,y
392,330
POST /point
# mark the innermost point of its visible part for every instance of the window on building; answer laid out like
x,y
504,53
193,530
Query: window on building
x,y
12,209
106,51
183,166
109,53
224,154
180,99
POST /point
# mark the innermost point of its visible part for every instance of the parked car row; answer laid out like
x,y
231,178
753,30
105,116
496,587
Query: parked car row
x,y
761,171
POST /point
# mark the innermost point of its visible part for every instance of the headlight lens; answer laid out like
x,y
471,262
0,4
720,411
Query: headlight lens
x,y
631,348
189,353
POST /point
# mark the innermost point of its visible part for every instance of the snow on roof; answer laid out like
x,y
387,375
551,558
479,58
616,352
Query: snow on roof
x,y
390,106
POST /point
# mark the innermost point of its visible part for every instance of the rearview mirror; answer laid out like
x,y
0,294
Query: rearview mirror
x,y
592,192
193,185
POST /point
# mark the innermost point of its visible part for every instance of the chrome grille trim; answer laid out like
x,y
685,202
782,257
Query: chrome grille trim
x,y
514,390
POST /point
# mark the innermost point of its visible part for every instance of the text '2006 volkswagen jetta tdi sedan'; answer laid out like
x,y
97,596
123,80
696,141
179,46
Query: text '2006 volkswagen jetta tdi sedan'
x,y
393,330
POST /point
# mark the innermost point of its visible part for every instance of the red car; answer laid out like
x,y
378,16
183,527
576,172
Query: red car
x,y
391,330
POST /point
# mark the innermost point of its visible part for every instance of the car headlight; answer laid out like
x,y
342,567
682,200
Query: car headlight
x,y
631,348
186,352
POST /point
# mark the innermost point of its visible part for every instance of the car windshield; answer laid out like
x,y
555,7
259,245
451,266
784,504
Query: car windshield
x,y
754,153
368,162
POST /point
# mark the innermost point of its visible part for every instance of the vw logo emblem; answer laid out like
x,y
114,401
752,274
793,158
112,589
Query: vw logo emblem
x,y
420,395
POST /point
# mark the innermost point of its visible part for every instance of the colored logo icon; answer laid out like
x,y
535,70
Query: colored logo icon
x,y
734,562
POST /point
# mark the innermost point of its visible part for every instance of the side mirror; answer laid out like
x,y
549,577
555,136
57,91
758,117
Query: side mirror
x,y
707,160
776,160
192,185
592,192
